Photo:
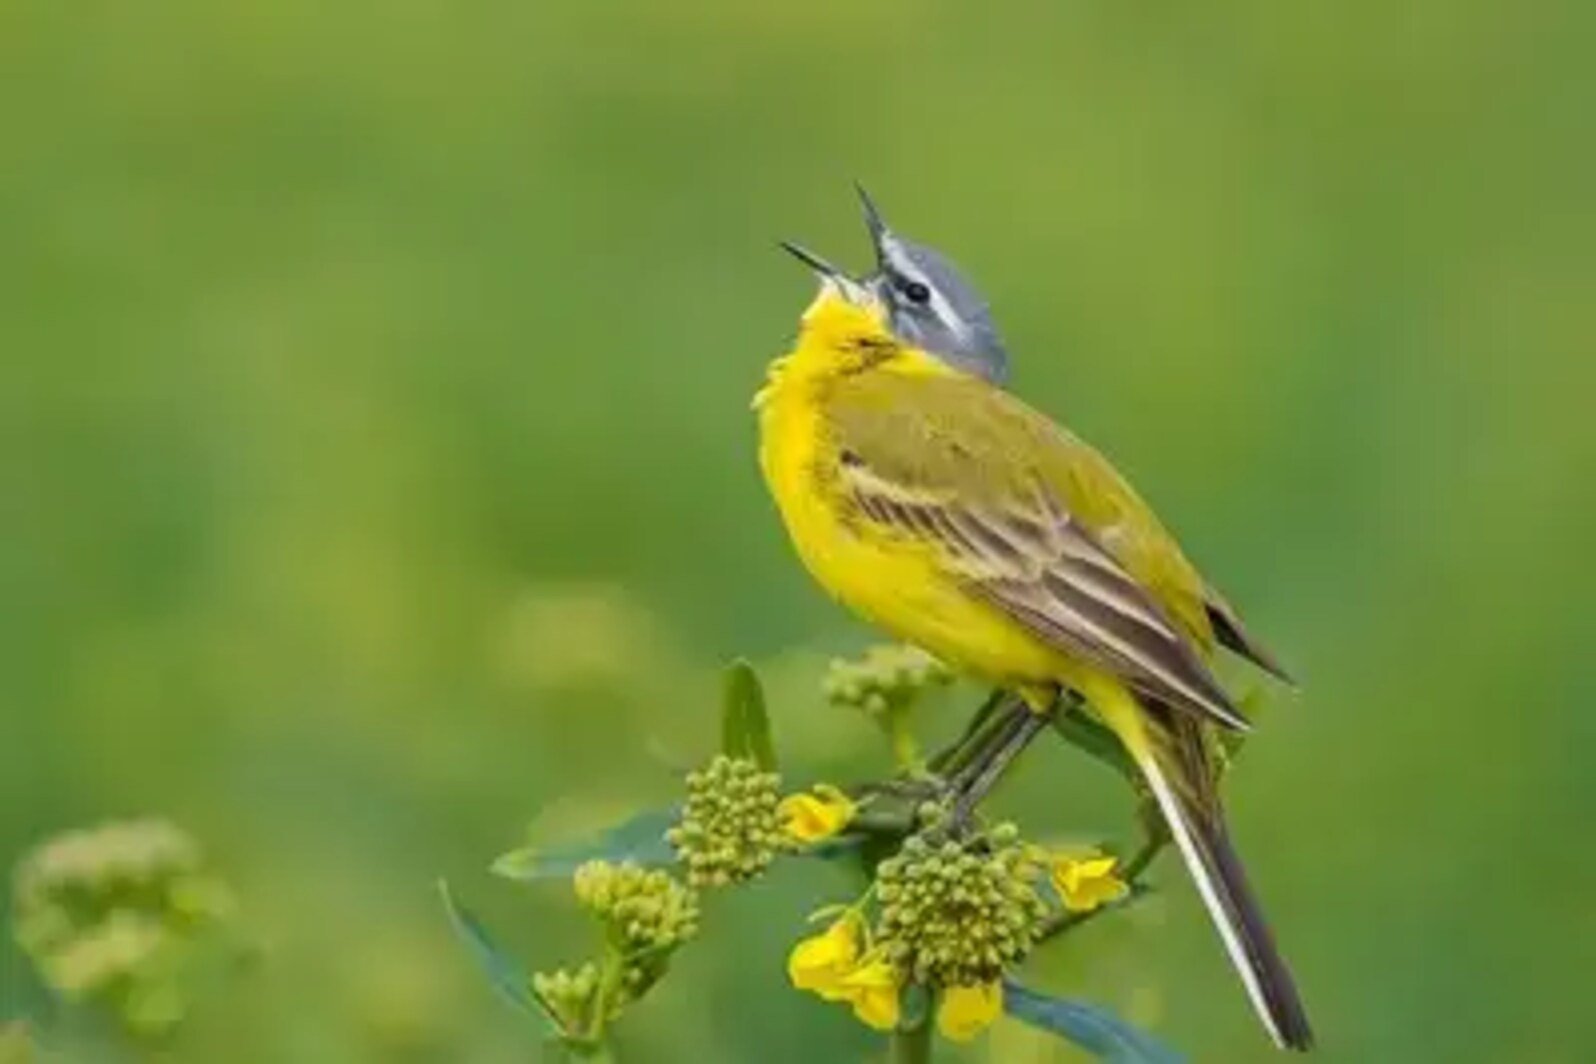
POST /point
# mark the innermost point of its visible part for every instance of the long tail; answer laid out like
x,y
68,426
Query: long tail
x,y
1176,766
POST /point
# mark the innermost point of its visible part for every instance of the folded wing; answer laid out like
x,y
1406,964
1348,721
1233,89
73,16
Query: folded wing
x,y
982,489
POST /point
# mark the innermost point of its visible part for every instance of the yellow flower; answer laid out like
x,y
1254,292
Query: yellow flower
x,y
873,989
821,963
831,966
1086,882
966,1011
816,815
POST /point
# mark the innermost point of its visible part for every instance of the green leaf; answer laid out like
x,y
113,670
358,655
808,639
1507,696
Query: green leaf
x,y
744,724
1096,739
640,840
503,971
1095,1030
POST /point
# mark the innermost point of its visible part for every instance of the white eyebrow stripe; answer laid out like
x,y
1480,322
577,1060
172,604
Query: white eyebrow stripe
x,y
943,310
901,264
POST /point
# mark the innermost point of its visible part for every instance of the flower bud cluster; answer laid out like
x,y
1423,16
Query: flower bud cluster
x,y
569,995
646,914
642,910
106,914
887,677
960,912
730,829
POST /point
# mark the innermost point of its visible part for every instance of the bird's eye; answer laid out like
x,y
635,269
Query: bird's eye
x,y
916,292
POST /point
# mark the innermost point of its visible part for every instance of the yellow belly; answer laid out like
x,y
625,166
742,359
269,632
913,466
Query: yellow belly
x,y
889,580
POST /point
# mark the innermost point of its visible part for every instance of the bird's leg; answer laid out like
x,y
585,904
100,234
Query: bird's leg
x,y
1066,714
991,768
998,733
940,760
984,728
986,722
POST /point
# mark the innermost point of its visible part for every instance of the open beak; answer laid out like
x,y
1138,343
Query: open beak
x,y
829,275
873,220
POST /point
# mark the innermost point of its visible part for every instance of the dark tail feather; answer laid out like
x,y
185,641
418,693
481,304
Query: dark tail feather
x,y
1199,831
1233,635
1279,988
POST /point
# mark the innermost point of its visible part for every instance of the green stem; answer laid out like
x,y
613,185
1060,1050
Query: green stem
x,y
584,1053
611,969
1157,839
912,1046
905,750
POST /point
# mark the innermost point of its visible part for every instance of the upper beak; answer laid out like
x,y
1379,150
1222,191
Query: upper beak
x,y
872,217
850,289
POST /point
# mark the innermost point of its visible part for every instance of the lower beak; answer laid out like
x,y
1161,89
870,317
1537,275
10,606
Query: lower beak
x,y
850,289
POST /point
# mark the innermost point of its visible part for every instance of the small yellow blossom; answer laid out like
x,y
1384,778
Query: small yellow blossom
x,y
832,966
815,815
966,1011
821,963
1087,882
873,990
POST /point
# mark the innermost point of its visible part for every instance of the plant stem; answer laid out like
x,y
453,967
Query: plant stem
x,y
594,1053
905,750
912,1046
610,972
1157,839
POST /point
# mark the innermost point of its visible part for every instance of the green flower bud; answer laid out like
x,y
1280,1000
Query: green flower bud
x,y
962,911
641,910
570,996
730,830
884,678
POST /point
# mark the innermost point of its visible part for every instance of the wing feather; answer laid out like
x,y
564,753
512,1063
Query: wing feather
x,y
1008,534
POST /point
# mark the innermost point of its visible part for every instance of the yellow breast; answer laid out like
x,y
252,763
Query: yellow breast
x,y
888,580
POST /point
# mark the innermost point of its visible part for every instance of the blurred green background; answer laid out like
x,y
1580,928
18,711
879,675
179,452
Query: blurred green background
x,y
377,476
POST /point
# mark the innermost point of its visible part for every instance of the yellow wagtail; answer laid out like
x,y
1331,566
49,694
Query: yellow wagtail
x,y
951,514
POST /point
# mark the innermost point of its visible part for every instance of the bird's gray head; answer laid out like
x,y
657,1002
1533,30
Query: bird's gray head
x,y
930,303
927,300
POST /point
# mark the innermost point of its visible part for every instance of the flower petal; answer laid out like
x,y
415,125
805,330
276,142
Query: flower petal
x,y
966,1011
815,815
873,989
820,962
1085,883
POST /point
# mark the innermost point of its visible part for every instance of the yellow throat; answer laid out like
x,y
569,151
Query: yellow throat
x,y
838,337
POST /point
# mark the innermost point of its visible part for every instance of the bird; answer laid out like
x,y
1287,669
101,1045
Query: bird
x,y
937,505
